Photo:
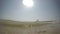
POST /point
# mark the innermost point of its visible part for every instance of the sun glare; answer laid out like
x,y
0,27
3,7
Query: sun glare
x,y
28,3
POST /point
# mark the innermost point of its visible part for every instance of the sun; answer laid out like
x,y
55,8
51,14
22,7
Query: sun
x,y
28,3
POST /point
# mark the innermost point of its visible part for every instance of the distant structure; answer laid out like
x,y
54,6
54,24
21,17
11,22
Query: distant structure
x,y
37,21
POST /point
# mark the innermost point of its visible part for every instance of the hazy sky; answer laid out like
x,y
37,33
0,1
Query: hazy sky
x,y
42,10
